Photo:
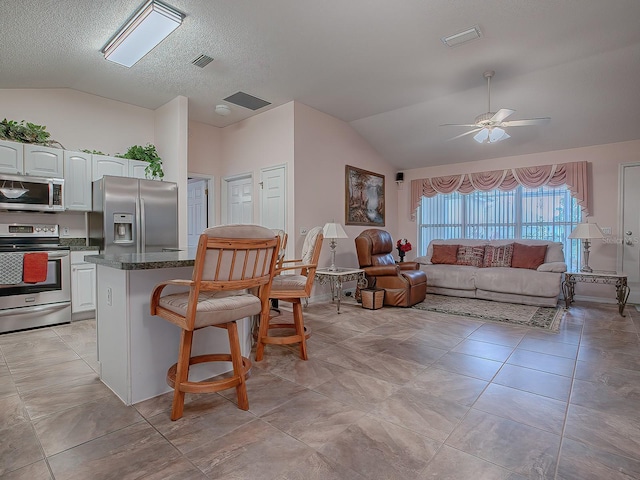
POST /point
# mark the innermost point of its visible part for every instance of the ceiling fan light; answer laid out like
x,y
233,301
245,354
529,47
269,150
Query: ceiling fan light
x,y
482,136
496,134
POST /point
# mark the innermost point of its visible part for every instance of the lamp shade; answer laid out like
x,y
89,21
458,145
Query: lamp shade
x,y
586,230
333,230
148,27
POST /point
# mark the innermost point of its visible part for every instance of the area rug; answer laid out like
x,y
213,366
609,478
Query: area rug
x,y
525,315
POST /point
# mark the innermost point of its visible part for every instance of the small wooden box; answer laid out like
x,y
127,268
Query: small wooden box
x,y
372,298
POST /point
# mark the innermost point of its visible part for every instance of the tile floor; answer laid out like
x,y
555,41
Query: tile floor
x,y
386,394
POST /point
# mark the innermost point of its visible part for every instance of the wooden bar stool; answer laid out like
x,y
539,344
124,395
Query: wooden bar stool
x,y
293,288
232,277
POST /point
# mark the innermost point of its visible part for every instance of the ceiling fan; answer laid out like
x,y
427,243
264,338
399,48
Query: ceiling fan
x,y
489,127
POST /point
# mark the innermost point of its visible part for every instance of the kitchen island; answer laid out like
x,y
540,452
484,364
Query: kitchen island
x,y
135,349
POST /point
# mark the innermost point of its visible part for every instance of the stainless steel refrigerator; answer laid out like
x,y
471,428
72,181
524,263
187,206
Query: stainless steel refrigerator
x,y
132,215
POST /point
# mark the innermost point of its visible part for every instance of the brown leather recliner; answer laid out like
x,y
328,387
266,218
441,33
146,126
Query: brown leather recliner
x,y
404,284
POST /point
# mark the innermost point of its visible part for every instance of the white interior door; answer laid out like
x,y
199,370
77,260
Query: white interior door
x,y
273,201
629,248
196,209
240,201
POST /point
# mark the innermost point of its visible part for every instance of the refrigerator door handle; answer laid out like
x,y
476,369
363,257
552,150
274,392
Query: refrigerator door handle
x,y
137,226
143,225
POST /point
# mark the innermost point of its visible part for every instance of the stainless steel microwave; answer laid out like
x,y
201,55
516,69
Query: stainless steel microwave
x,y
31,193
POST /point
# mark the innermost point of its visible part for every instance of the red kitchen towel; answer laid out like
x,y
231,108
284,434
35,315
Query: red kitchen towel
x,y
35,267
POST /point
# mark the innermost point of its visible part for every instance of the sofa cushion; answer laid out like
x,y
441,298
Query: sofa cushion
x,y
528,256
445,254
498,256
518,281
451,241
459,277
555,250
469,255
556,267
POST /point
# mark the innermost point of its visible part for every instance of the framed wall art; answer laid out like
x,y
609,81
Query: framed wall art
x,y
364,202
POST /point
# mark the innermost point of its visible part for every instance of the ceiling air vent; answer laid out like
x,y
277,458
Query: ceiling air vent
x,y
459,38
202,61
247,101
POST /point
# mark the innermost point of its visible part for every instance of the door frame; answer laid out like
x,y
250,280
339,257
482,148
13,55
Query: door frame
x,y
225,192
210,179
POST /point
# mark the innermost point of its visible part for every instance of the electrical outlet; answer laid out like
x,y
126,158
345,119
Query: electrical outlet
x,y
65,231
606,230
303,231
109,296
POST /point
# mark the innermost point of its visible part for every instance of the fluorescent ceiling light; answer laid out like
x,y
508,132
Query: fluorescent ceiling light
x,y
146,29
459,38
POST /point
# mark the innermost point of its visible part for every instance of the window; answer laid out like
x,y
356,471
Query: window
x,y
543,214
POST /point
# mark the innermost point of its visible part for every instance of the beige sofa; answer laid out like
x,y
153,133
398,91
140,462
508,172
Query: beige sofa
x,y
539,287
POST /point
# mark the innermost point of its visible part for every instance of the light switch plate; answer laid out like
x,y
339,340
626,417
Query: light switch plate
x,y
606,230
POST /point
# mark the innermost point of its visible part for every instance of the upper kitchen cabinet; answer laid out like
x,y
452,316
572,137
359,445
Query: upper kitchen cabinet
x,y
104,165
43,161
136,168
11,157
26,159
78,168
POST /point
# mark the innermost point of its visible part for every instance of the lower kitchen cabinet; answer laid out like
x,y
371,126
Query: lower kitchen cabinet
x,y
83,285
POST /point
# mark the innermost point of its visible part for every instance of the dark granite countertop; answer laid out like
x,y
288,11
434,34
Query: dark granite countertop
x,y
145,261
76,244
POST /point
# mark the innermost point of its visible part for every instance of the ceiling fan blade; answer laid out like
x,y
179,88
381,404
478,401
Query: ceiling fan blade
x,y
526,122
482,136
502,114
465,133
458,125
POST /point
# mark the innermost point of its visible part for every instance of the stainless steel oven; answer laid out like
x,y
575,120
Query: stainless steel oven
x,y
48,302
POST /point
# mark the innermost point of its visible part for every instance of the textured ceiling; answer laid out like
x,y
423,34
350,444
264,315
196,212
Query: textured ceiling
x,y
377,64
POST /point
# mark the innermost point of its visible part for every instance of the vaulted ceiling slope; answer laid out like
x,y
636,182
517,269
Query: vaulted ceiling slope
x,y
379,65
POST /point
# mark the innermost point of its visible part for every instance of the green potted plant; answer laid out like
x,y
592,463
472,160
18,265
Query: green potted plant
x,y
26,132
146,154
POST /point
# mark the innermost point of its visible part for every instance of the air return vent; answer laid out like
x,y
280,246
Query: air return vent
x,y
247,101
202,61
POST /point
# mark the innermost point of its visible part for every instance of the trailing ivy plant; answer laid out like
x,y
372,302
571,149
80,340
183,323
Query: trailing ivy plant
x,y
26,132
94,152
147,154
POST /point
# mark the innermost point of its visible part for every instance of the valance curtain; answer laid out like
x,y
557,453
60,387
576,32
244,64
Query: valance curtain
x,y
573,175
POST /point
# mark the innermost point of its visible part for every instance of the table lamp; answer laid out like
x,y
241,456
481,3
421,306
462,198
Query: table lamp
x,y
333,231
585,232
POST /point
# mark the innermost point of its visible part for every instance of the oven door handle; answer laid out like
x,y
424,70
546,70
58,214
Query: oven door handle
x,y
54,255
33,309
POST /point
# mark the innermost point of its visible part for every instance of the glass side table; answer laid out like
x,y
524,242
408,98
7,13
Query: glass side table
x,y
335,278
607,278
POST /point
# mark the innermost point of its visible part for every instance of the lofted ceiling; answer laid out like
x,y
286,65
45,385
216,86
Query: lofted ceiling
x,y
379,65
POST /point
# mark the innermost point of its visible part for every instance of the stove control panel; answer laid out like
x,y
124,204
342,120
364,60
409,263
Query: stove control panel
x,y
21,230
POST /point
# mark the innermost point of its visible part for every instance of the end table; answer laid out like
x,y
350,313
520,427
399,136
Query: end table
x,y
617,279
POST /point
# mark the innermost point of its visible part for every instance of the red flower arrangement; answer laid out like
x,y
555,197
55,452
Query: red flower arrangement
x,y
403,246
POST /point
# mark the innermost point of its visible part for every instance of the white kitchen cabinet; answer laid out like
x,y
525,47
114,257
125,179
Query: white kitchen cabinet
x,y
42,161
11,157
105,165
136,168
83,282
78,168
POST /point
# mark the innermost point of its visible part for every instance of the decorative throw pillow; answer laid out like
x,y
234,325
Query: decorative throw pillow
x,y
472,256
528,256
445,254
498,256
